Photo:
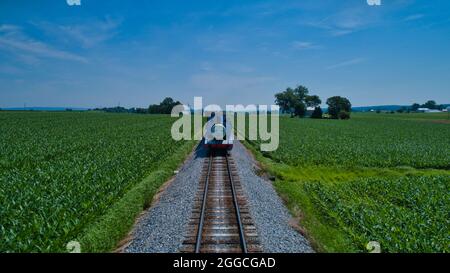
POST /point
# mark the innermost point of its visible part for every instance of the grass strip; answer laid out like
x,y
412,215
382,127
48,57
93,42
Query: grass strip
x,y
105,234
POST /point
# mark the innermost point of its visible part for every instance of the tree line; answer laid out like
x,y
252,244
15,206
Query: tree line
x,y
431,104
164,107
295,101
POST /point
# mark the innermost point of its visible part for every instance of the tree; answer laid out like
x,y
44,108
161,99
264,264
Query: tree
x,y
317,113
313,101
141,111
301,92
286,100
431,104
415,107
337,105
344,115
299,109
165,107
294,101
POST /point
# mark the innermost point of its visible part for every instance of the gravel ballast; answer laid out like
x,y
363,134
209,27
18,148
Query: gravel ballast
x,y
270,215
161,229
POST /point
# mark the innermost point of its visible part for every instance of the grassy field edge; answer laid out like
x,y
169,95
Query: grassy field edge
x,y
323,235
307,221
105,234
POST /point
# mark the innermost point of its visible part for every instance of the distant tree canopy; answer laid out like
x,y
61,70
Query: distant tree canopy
x,y
339,107
317,113
313,101
402,110
140,110
295,101
117,109
165,107
431,104
415,106
286,100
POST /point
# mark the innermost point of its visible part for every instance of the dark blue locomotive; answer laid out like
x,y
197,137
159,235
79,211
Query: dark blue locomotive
x,y
219,133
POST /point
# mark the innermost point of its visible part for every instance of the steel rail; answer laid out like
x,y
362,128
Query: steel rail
x,y
236,206
202,214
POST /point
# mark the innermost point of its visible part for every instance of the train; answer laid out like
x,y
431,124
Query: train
x,y
218,134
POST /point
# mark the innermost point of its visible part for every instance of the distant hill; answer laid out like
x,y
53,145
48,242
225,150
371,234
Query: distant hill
x,y
378,107
383,107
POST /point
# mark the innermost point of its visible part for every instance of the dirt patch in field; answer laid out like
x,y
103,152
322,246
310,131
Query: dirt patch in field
x,y
442,121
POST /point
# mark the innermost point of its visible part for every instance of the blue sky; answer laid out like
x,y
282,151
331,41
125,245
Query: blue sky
x,y
137,52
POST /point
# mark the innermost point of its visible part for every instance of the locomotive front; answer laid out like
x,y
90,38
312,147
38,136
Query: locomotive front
x,y
219,133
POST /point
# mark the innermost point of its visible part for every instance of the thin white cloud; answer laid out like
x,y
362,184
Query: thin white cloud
x,y
302,45
73,2
9,69
13,38
346,63
414,17
346,21
87,34
27,59
341,32
9,28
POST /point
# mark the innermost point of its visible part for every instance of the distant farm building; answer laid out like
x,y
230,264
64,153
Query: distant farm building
x,y
427,110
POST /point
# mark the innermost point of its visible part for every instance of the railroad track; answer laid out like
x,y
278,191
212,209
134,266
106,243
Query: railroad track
x,y
220,221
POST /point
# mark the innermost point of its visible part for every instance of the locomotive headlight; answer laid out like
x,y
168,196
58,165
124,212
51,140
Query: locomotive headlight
x,y
218,131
